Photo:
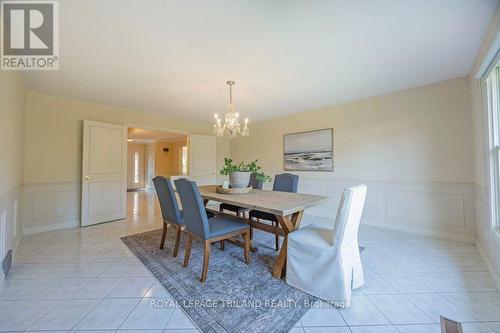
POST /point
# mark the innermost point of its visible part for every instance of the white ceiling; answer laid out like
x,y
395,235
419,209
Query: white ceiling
x,y
173,57
142,135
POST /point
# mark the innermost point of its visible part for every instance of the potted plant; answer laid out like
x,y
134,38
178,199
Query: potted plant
x,y
239,174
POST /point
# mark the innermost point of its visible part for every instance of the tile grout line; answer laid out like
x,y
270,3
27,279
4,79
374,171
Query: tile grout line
x,y
98,303
128,315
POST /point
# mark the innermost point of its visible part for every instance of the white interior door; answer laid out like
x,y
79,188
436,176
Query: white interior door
x,y
104,173
202,159
150,168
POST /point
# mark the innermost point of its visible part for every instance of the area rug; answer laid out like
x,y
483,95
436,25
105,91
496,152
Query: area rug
x,y
235,297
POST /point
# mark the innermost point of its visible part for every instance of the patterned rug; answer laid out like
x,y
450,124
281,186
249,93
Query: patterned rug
x,y
235,297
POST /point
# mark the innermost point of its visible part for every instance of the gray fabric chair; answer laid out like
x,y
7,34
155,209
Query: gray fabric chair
x,y
211,230
170,211
285,182
240,211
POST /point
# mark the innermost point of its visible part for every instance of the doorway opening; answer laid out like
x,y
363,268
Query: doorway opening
x,y
154,153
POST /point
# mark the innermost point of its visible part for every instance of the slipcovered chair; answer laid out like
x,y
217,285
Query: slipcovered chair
x,y
285,182
170,211
211,230
325,262
240,211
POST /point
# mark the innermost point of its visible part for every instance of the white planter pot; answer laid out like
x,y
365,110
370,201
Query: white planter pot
x,y
239,179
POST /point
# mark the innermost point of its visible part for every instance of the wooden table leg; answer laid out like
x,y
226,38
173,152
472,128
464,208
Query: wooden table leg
x,y
289,225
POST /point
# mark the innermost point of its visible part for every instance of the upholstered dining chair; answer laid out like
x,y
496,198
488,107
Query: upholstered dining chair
x,y
324,261
215,229
285,182
170,211
240,211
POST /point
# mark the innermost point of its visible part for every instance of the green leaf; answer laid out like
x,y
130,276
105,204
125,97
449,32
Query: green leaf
x,y
253,167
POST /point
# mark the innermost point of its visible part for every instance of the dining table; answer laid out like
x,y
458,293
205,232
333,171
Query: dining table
x,y
286,206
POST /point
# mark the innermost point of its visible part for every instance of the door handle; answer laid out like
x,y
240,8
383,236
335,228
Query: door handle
x,y
87,177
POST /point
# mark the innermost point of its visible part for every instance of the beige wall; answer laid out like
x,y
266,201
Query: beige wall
x,y
489,238
168,164
413,149
421,134
53,150
12,152
54,133
11,130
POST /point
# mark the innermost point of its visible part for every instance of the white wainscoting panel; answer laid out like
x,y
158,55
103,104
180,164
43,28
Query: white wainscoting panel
x,y
427,207
50,206
437,209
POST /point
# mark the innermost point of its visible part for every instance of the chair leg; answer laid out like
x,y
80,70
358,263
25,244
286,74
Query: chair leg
x,y
177,241
222,246
189,241
246,236
206,258
277,240
163,236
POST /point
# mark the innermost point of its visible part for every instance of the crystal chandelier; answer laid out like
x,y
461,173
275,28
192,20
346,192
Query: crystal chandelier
x,y
231,126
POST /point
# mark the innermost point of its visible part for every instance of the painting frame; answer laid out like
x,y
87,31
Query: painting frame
x,y
298,169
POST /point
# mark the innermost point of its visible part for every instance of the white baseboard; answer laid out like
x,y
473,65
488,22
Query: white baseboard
x,y
496,277
51,227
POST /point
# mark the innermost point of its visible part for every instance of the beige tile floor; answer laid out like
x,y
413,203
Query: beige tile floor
x,y
87,280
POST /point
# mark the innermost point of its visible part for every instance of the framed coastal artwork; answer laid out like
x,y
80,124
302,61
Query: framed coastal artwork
x,y
308,151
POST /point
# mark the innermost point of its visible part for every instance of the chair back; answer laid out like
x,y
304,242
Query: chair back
x,y
255,183
349,216
286,182
195,217
168,202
